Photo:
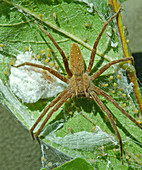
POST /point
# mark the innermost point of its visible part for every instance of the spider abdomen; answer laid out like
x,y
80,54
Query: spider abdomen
x,y
76,60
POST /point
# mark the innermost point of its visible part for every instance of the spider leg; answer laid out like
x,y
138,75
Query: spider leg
x,y
105,67
92,57
47,108
104,109
56,107
55,73
109,98
59,49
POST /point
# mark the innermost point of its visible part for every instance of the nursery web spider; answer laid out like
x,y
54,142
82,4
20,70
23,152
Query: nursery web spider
x,y
80,82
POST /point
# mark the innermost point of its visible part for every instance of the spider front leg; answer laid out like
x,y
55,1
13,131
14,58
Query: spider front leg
x,y
104,109
47,108
60,102
114,102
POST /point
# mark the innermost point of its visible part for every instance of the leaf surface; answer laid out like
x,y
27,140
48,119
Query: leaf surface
x,y
68,22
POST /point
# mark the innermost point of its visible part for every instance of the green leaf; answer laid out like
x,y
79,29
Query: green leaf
x,y
122,1
68,22
77,163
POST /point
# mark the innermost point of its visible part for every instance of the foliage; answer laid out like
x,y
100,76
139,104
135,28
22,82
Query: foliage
x,y
68,22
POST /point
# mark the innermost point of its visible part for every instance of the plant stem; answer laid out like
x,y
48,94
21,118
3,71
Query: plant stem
x,y
132,75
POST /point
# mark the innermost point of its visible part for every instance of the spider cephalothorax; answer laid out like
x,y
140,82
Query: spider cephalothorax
x,y
80,83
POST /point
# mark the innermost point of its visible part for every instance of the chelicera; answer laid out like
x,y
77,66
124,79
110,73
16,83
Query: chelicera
x,y
80,83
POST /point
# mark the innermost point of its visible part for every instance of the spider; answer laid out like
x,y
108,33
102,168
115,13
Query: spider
x,y
80,83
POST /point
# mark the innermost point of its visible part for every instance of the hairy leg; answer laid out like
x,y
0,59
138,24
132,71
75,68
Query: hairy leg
x,y
109,98
55,108
105,67
55,73
48,107
97,41
59,49
104,109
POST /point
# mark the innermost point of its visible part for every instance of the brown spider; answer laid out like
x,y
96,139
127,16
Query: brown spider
x,y
80,84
